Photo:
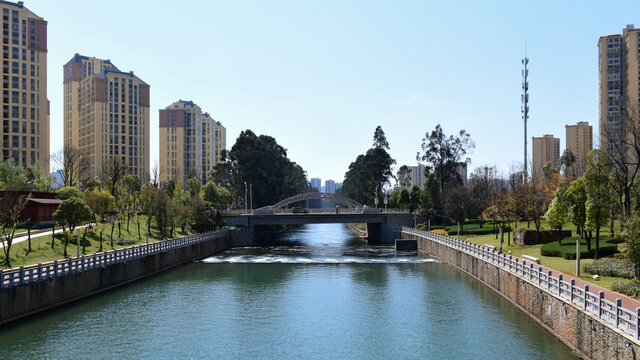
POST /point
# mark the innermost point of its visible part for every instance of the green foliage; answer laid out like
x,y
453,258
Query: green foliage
x,y
379,139
260,161
576,197
403,176
610,267
631,235
567,248
120,241
557,214
193,186
210,193
100,202
73,212
629,288
15,177
93,183
367,175
598,189
68,192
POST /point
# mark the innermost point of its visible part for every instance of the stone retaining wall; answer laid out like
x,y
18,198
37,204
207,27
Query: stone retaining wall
x,y
589,337
31,298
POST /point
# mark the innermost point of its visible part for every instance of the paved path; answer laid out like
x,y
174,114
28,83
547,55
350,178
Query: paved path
x,y
22,238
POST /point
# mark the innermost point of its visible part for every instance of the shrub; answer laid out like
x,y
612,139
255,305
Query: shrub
x,y
422,227
610,267
440,231
121,241
567,249
629,288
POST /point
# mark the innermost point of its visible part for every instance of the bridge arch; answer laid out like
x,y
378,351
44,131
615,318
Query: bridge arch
x,y
342,200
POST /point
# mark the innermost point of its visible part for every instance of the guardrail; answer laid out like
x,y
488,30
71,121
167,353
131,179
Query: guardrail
x,y
49,270
609,312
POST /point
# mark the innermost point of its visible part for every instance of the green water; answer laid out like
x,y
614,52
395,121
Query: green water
x,y
327,297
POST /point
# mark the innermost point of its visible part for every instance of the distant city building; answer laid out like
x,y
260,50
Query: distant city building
x,y
220,142
338,186
462,171
417,176
316,183
25,123
580,142
619,85
545,149
106,114
330,186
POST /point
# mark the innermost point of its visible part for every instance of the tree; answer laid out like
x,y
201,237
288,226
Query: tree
x,y
631,236
403,176
71,213
576,198
598,189
100,202
557,213
210,193
68,192
73,163
93,183
379,139
113,172
130,194
40,180
443,155
484,187
193,186
13,176
458,204
367,176
403,198
567,160
11,208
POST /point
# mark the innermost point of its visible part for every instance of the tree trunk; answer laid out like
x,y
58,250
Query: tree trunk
x,y
29,239
66,242
595,256
559,230
101,231
119,229
612,230
113,225
53,235
589,241
128,217
138,221
84,238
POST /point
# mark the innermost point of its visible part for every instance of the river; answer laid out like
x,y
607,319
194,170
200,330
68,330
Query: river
x,y
318,293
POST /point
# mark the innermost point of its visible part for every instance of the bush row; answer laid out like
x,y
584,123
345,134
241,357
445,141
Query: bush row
x,y
567,248
629,288
610,267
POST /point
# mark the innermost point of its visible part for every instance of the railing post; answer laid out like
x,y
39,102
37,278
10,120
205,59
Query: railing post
x,y
531,272
55,268
549,280
586,296
618,304
539,275
573,285
21,274
600,298
1,278
39,271
637,323
560,284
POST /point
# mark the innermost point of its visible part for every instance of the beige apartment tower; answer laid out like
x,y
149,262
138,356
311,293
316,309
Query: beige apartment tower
x,y
190,142
619,75
545,149
580,142
25,107
106,114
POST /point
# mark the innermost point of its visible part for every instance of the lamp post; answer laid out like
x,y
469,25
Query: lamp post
x,y
251,198
386,201
245,198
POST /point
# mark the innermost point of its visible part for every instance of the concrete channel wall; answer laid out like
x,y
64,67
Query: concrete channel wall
x,y
587,323
30,290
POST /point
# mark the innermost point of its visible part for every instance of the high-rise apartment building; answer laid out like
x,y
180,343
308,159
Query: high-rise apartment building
x,y
191,142
545,149
417,175
330,186
619,86
316,183
220,142
580,142
181,141
25,107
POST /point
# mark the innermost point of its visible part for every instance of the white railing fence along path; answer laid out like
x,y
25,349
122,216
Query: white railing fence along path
x,y
57,268
610,312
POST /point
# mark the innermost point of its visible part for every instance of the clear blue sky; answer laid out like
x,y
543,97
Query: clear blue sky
x,y
320,76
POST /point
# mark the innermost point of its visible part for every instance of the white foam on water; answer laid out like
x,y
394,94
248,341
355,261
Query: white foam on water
x,y
274,259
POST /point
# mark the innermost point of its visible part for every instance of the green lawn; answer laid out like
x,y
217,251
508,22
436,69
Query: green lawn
x,y
41,250
557,263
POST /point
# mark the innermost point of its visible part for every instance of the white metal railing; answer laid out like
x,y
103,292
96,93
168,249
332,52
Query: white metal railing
x,y
611,313
42,271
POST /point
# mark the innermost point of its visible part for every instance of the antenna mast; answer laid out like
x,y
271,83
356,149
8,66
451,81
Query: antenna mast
x,y
525,105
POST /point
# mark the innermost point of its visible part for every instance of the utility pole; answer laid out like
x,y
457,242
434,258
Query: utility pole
x,y
525,105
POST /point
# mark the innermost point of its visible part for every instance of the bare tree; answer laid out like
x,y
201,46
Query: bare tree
x,y
622,141
73,163
11,207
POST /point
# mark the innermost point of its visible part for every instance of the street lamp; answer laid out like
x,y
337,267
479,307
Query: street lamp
x,y
245,198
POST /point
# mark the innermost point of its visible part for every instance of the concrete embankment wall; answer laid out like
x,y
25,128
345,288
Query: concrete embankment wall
x,y
31,298
588,336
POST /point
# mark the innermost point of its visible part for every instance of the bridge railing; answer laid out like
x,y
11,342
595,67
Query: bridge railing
x,y
612,313
57,268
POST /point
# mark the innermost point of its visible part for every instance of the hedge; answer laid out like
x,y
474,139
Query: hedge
x,y
567,249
